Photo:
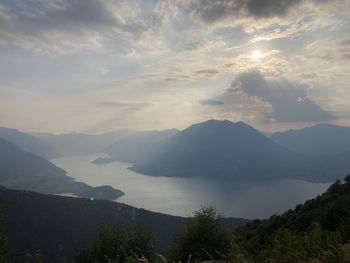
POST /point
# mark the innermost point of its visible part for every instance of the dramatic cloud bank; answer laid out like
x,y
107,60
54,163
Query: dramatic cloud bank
x,y
289,101
98,65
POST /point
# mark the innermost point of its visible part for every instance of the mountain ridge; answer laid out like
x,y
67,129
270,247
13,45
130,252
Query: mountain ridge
x,y
137,147
321,139
27,142
222,147
20,169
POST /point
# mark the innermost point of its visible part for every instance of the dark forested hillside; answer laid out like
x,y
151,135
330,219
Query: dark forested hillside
x,y
318,229
61,226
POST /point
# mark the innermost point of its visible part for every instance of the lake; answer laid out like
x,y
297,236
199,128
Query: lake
x,y
181,196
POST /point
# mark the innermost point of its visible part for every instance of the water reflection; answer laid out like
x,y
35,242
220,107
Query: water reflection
x,y
181,196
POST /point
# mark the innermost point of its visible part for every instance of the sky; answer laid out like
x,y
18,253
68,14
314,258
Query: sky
x,y
101,65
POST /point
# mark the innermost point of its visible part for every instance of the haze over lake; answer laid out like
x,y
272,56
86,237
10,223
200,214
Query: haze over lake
x,y
181,196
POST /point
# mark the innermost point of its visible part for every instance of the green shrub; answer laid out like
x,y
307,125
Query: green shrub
x,y
119,245
203,237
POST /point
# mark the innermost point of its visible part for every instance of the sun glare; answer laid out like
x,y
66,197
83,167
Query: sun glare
x,y
256,55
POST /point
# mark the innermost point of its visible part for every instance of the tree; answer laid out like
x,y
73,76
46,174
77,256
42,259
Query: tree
x,y
119,244
6,255
203,237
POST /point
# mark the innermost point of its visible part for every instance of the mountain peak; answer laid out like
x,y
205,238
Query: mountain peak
x,y
222,122
221,126
219,148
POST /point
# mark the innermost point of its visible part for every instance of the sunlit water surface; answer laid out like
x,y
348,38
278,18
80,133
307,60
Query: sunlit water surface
x,y
181,196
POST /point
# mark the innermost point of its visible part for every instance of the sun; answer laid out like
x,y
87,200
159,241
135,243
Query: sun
x,y
256,55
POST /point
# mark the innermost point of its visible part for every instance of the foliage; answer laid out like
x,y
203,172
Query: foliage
x,y
317,231
119,244
203,237
6,255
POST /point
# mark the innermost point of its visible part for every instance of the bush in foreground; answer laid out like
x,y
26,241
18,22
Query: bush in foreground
x,y
119,245
203,237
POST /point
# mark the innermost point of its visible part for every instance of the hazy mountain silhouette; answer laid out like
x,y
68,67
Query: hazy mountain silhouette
x,y
330,166
140,146
79,143
318,140
27,142
22,170
221,149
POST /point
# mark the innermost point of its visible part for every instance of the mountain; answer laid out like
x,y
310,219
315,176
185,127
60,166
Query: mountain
x,y
138,147
61,226
318,140
49,146
27,142
22,170
221,149
79,143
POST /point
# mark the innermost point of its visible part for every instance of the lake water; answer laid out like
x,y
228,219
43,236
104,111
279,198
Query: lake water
x,y
181,196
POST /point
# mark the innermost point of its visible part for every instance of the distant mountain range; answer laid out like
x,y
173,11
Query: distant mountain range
x,y
138,147
49,146
237,151
20,169
28,142
61,226
220,149
318,140
209,149
68,144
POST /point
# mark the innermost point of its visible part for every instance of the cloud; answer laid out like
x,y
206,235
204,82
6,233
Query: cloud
x,y
207,73
211,11
289,101
270,8
204,45
130,27
331,50
55,25
127,106
64,26
211,102
266,19
304,22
